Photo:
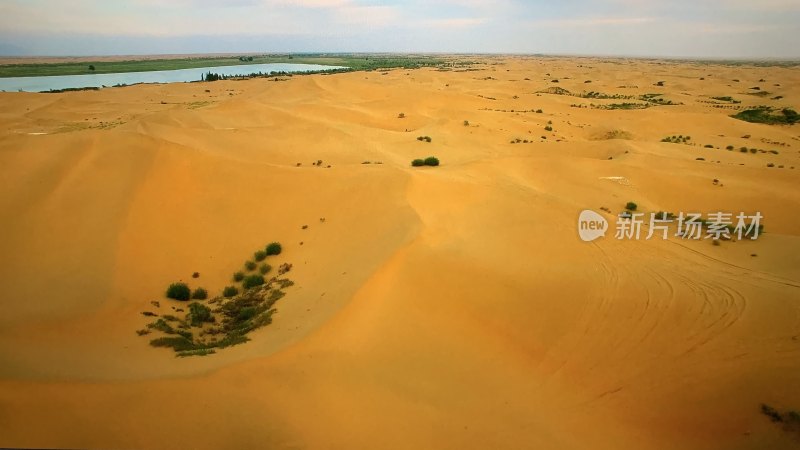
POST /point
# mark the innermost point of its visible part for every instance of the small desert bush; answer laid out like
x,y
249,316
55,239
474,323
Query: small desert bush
x,y
631,206
230,291
238,276
179,291
260,255
418,162
730,147
772,413
432,161
250,265
466,123
200,294
199,314
274,248
264,269
252,281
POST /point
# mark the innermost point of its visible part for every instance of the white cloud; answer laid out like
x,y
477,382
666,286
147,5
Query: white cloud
x,y
455,22
593,21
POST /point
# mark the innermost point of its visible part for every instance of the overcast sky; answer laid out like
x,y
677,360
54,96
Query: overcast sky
x,y
690,28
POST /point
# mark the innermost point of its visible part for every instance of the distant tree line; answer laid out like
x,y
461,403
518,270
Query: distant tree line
x,y
211,76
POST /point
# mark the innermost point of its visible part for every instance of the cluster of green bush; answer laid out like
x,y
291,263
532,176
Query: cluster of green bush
x,y
429,161
743,149
238,311
181,291
624,105
522,141
602,96
252,280
765,114
679,139
727,99
424,139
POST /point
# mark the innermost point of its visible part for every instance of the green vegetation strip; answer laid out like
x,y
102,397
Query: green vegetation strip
x,y
764,114
354,62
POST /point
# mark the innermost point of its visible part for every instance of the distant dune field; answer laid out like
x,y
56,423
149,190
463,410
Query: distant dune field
x,y
451,307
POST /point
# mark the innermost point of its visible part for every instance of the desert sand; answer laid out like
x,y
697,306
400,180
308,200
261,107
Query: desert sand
x,y
448,307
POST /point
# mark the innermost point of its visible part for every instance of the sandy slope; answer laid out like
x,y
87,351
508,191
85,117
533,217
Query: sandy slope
x,y
434,308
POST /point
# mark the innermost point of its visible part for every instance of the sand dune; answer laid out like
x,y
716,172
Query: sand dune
x,y
449,307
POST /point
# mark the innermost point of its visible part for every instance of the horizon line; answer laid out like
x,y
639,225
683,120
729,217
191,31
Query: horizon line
x,y
441,53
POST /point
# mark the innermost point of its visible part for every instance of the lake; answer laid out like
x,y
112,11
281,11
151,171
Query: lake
x,y
39,84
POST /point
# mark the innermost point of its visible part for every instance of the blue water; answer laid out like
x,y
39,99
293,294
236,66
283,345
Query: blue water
x,y
38,84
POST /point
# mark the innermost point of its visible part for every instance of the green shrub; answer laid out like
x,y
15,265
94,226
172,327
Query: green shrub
x,y
466,123
198,352
230,291
264,269
250,265
631,206
708,146
179,291
252,281
238,276
198,314
418,163
548,128
274,248
431,161
772,413
730,147
246,313
200,294
260,255
177,343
